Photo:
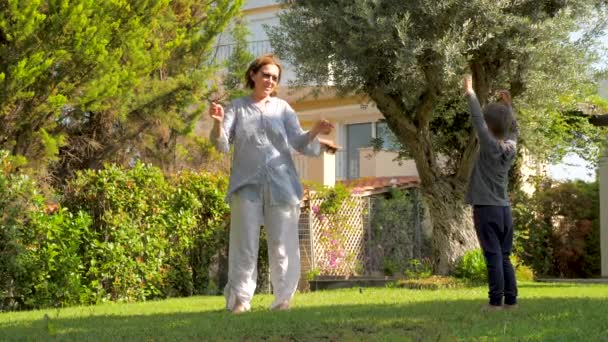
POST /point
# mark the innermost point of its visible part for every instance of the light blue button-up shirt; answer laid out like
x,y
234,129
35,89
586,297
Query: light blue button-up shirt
x,y
262,147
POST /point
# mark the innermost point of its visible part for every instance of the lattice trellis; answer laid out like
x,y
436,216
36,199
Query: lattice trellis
x,y
318,249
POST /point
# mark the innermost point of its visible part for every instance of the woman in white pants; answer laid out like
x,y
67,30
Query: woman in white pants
x,y
264,186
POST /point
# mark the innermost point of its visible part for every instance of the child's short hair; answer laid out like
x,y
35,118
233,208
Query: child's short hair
x,y
499,119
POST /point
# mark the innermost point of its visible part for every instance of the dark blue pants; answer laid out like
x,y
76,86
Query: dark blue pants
x,y
494,227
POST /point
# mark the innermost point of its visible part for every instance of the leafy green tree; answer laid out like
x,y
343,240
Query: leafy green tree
x,y
238,62
193,149
85,81
408,57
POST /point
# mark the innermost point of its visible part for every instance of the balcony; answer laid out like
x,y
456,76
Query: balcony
x,y
342,165
256,48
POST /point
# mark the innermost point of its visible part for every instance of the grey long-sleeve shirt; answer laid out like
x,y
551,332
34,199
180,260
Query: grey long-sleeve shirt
x,y
262,147
490,176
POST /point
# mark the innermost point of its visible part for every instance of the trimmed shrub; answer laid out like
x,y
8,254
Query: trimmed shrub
x,y
472,266
557,230
117,234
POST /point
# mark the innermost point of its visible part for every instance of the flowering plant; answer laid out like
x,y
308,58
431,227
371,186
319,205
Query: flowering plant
x,y
332,213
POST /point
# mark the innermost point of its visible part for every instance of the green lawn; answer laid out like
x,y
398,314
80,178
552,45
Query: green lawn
x,y
548,312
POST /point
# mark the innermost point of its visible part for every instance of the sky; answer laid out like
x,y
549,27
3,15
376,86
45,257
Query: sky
x,y
573,167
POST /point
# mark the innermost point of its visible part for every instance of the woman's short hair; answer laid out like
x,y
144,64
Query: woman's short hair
x,y
257,64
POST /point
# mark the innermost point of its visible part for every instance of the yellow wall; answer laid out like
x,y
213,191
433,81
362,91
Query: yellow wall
x,y
382,164
321,170
531,168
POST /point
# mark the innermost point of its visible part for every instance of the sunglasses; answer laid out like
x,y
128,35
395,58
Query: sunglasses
x,y
266,75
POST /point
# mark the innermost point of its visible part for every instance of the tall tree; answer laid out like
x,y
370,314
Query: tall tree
x,y
87,81
238,61
191,149
408,57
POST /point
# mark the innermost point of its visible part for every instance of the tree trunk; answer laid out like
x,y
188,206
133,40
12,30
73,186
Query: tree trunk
x,y
453,230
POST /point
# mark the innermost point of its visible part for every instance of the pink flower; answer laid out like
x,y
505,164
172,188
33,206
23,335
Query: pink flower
x,y
316,209
320,217
334,242
333,261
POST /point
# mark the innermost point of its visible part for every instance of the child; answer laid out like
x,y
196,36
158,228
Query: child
x,y
496,130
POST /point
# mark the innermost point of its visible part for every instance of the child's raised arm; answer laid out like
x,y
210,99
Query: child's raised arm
x,y
479,124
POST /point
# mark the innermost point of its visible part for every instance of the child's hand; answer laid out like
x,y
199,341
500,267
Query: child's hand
x,y
467,82
504,97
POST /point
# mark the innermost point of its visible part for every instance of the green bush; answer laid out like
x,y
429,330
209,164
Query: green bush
x,y
51,260
557,229
533,239
522,271
19,199
116,235
396,242
472,266
40,260
153,237
419,269
198,219
124,257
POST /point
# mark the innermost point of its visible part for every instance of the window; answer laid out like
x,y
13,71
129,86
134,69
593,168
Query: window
x,y
389,140
357,136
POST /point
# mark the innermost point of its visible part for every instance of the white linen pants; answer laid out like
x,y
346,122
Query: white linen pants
x,y
251,208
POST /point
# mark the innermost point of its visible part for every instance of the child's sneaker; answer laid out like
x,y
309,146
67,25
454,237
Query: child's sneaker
x,y
490,308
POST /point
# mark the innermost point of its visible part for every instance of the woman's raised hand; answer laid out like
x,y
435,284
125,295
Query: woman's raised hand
x,y
216,112
323,127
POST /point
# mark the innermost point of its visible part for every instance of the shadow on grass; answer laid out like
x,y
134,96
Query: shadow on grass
x,y
550,285
536,319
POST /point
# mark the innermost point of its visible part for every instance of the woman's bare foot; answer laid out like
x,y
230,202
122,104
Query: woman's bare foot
x,y
282,306
239,308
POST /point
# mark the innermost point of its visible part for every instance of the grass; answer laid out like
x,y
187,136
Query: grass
x,y
563,312
432,283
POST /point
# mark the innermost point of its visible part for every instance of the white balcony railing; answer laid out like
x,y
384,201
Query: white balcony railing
x,y
301,164
256,48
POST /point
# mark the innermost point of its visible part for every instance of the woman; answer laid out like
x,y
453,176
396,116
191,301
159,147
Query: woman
x,y
264,185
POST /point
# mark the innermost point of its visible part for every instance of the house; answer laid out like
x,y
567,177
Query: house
x,y
357,122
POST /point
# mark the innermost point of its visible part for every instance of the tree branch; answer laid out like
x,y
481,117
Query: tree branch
x,y
388,105
424,108
465,167
416,138
120,143
481,82
433,77
599,120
